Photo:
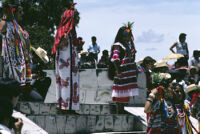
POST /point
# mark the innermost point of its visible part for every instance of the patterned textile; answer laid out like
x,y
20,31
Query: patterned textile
x,y
183,119
160,122
16,53
126,85
66,25
67,92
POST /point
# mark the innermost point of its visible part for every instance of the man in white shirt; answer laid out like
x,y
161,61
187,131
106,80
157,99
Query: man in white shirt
x,y
94,48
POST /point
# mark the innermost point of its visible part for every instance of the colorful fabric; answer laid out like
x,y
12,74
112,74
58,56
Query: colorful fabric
x,y
66,25
162,119
67,92
183,119
125,86
16,53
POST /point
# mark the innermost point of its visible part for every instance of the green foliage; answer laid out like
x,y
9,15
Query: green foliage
x,y
41,19
129,25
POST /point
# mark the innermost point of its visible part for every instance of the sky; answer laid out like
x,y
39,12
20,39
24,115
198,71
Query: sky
x,y
157,23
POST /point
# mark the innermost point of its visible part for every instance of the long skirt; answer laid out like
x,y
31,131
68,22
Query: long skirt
x,y
67,92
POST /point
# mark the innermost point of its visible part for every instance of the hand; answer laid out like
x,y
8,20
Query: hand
x,y
119,74
18,126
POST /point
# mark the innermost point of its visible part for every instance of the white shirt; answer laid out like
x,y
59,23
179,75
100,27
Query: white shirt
x,y
4,129
94,48
181,48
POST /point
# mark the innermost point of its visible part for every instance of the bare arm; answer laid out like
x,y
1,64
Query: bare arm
x,y
187,50
148,104
171,48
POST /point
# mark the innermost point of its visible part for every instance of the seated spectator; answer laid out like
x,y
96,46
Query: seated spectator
x,y
40,82
81,42
104,61
83,60
91,60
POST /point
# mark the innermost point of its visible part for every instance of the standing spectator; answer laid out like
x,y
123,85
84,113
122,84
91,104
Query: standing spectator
x,y
104,61
181,48
94,48
65,49
123,57
81,42
16,46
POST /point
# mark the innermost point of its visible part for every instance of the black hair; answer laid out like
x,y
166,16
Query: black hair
x,y
147,60
93,38
9,88
182,90
6,109
182,35
195,52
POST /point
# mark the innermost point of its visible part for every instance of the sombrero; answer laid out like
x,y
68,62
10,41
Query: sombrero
x,y
161,63
41,53
191,87
165,75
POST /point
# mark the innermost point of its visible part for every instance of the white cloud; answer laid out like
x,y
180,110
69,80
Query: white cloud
x,y
150,37
167,19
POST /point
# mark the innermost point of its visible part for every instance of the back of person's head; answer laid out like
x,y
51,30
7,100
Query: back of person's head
x,y
9,88
105,52
6,109
182,35
195,53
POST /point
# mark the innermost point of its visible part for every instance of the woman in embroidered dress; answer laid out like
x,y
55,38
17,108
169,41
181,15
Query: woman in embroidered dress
x,y
15,46
65,51
123,57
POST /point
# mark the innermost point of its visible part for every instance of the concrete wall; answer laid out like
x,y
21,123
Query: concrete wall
x,y
95,87
95,118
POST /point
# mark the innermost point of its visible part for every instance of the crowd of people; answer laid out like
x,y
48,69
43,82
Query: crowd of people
x,y
173,91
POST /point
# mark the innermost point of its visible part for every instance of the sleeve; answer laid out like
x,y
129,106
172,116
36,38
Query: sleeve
x,y
116,52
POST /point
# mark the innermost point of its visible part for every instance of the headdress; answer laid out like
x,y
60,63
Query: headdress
x,y
66,25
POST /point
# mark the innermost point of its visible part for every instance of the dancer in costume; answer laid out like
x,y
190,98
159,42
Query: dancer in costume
x,y
65,51
160,105
123,57
15,45
193,100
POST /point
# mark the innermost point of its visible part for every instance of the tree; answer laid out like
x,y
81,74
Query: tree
x,y
41,19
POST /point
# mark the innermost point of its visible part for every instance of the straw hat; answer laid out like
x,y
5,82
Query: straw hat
x,y
41,53
165,75
83,52
191,87
161,63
